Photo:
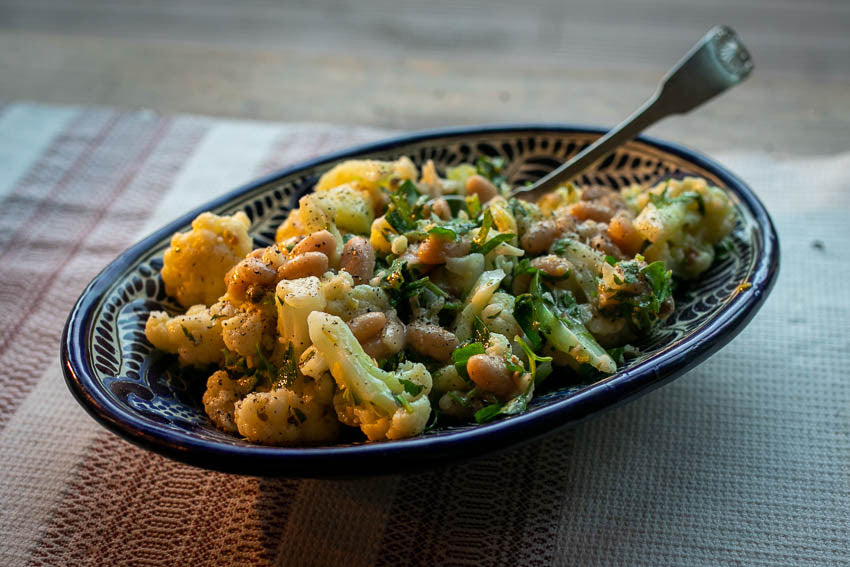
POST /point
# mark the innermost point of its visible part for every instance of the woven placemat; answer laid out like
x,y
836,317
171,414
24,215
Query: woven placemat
x,y
742,461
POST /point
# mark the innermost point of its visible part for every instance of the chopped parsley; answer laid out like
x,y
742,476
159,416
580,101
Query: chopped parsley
x,y
189,335
462,355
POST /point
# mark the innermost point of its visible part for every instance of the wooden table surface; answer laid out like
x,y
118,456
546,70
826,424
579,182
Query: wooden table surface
x,y
413,65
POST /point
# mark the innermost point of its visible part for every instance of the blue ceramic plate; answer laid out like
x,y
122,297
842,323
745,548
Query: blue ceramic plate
x,y
110,367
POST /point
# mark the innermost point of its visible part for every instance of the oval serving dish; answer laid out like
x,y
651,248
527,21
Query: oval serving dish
x,y
111,370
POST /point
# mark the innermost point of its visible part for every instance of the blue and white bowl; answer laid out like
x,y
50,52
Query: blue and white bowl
x,y
111,369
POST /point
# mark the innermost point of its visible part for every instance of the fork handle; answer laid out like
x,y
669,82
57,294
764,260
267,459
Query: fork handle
x,y
718,61
651,112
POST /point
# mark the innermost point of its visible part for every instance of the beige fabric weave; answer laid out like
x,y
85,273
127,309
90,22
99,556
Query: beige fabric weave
x,y
745,460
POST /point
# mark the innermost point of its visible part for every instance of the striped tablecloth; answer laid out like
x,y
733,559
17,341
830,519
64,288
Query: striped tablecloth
x,y
742,461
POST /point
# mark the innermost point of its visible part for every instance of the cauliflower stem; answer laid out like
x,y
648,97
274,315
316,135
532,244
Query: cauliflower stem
x,y
541,324
386,405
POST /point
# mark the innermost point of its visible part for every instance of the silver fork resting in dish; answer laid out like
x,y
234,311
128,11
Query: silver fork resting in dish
x,y
718,61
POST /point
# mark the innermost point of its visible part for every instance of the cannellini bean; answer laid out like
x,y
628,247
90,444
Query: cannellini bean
x,y
358,259
539,236
435,250
481,186
440,207
584,210
249,278
304,265
389,341
551,264
490,374
590,228
564,222
520,284
374,347
320,241
367,325
431,340
593,192
624,234
604,244
395,333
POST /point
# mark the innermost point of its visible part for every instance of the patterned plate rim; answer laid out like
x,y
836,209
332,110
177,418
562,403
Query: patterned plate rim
x,y
355,460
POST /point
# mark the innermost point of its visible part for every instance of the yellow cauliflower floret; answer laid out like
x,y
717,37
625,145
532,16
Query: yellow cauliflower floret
x,y
220,398
369,174
195,337
460,173
432,184
252,325
351,210
301,414
344,207
381,235
560,197
503,218
195,264
307,218
682,220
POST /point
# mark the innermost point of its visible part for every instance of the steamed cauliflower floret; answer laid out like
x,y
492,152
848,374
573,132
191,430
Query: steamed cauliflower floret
x,y
682,221
385,405
460,173
312,364
498,345
220,396
434,185
350,209
346,300
476,301
251,326
498,315
368,174
465,270
195,337
382,235
195,264
312,215
337,289
299,414
345,207
447,379
295,300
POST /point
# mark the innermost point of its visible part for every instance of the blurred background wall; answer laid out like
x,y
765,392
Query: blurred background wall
x,y
412,65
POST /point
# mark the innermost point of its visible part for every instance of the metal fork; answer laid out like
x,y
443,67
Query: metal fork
x,y
718,61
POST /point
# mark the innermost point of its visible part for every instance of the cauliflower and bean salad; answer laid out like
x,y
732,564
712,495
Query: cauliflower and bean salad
x,y
393,296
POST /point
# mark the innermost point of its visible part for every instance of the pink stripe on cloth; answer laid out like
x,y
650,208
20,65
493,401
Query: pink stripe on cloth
x,y
147,496
69,240
133,488
306,141
51,175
